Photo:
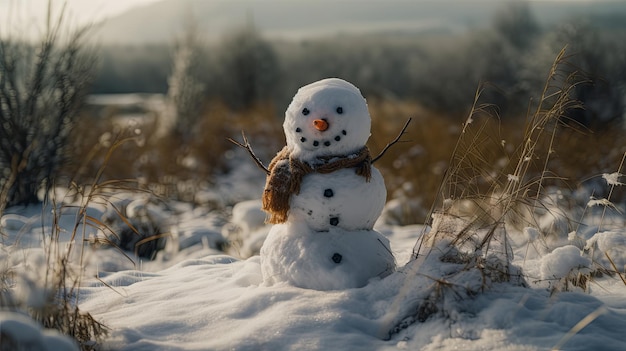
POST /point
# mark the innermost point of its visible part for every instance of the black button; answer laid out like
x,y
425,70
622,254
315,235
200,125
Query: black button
x,y
328,193
336,258
334,221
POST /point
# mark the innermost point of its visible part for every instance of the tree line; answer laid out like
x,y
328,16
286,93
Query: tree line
x,y
439,70
43,85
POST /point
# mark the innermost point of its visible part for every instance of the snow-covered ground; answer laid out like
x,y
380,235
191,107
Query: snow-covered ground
x,y
197,295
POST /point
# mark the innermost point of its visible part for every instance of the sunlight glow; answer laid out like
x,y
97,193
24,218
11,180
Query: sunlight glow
x,y
79,11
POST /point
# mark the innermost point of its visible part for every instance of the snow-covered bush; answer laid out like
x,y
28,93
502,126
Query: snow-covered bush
x,y
138,225
605,249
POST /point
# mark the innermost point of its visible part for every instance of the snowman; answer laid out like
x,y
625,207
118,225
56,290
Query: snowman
x,y
323,195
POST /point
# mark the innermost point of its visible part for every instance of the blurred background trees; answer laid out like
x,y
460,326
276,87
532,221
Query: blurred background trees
x,y
247,68
186,91
438,69
208,90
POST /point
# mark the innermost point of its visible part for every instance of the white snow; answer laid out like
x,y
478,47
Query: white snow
x,y
321,285
197,298
599,202
355,202
562,262
327,260
246,229
608,248
23,333
612,178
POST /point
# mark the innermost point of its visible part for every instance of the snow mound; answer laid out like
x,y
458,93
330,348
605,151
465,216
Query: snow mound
x,y
562,262
221,303
327,260
246,229
19,332
611,244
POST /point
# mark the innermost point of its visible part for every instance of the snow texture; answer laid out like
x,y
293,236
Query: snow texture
x,y
200,299
608,244
327,260
562,262
613,178
339,199
321,285
19,332
246,230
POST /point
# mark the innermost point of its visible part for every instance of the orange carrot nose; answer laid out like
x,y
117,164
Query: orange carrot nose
x,y
320,124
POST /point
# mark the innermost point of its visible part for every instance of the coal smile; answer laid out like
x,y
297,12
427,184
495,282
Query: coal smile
x,y
324,142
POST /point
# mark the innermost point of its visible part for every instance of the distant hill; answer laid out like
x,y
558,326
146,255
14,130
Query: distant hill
x,y
161,21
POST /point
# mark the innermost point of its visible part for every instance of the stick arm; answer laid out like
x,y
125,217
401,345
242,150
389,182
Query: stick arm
x,y
394,141
246,145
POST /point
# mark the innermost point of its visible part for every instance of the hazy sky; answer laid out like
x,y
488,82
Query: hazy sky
x,y
80,11
16,15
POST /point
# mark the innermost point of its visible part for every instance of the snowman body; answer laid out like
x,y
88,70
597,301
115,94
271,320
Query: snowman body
x,y
340,199
327,241
335,259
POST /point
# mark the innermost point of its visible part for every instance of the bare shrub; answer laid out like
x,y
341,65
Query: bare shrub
x,y
42,87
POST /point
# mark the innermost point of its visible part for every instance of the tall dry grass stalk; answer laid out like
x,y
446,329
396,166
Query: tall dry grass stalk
x,y
66,263
491,183
66,256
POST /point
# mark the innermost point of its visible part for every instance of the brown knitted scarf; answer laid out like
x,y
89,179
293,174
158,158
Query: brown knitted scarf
x,y
286,175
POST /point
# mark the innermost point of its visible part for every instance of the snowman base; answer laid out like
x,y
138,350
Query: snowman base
x,y
324,260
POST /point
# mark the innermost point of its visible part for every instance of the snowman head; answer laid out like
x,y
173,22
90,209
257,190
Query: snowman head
x,y
328,117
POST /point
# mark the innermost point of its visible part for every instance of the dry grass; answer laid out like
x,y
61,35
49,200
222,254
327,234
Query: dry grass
x,y
57,287
495,178
167,165
52,291
491,181
413,170
479,174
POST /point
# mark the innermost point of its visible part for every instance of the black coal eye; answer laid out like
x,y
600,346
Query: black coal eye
x,y
305,111
339,110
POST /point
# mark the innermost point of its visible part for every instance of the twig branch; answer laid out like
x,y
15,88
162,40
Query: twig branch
x,y
246,145
396,140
